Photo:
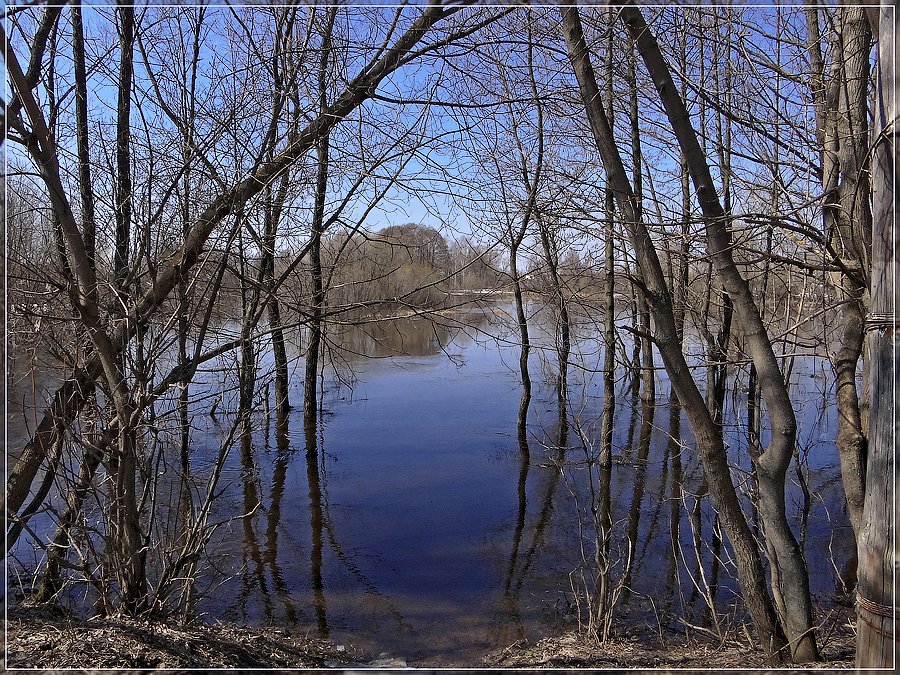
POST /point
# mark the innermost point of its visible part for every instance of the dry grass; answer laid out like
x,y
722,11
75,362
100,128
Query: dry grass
x,y
46,640
644,649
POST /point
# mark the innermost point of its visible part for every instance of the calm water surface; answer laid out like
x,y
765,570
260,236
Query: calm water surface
x,y
418,525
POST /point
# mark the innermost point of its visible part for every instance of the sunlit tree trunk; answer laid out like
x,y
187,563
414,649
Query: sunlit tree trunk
x,y
127,534
879,552
603,599
316,318
274,204
90,458
772,464
848,226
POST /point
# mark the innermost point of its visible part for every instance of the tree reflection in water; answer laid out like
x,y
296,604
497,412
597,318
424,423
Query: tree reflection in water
x,y
428,439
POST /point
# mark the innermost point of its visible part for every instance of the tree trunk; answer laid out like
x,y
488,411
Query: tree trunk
x,y
772,465
878,545
603,596
841,131
314,346
82,136
127,536
272,215
123,143
851,225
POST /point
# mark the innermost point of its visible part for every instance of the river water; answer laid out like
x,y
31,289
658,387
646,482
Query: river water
x,y
417,523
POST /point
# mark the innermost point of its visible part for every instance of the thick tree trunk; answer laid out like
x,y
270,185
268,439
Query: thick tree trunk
x,y
879,552
129,554
123,143
842,134
851,225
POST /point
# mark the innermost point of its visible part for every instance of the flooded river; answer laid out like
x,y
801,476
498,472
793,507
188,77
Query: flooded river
x,y
417,523
420,526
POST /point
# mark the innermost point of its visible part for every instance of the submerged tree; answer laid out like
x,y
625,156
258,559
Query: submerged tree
x,y
796,616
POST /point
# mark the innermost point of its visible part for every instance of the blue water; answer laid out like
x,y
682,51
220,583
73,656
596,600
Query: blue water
x,y
404,529
419,470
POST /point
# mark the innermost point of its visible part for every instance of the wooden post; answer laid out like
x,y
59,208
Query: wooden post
x,y
878,550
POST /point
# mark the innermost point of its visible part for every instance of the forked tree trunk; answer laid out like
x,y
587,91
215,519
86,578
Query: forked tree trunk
x,y
772,465
709,443
531,181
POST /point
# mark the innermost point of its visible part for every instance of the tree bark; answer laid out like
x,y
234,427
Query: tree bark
x,y
772,464
123,143
841,132
879,552
850,229
272,216
82,136
314,346
603,601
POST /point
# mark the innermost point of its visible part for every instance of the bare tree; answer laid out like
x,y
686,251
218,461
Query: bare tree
x,y
709,443
135,307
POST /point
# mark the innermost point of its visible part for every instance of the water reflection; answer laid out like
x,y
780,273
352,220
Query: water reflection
x,y
402,336
637,497
316,524
273,522
512,607
253,570
443,518
673,455
512,625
